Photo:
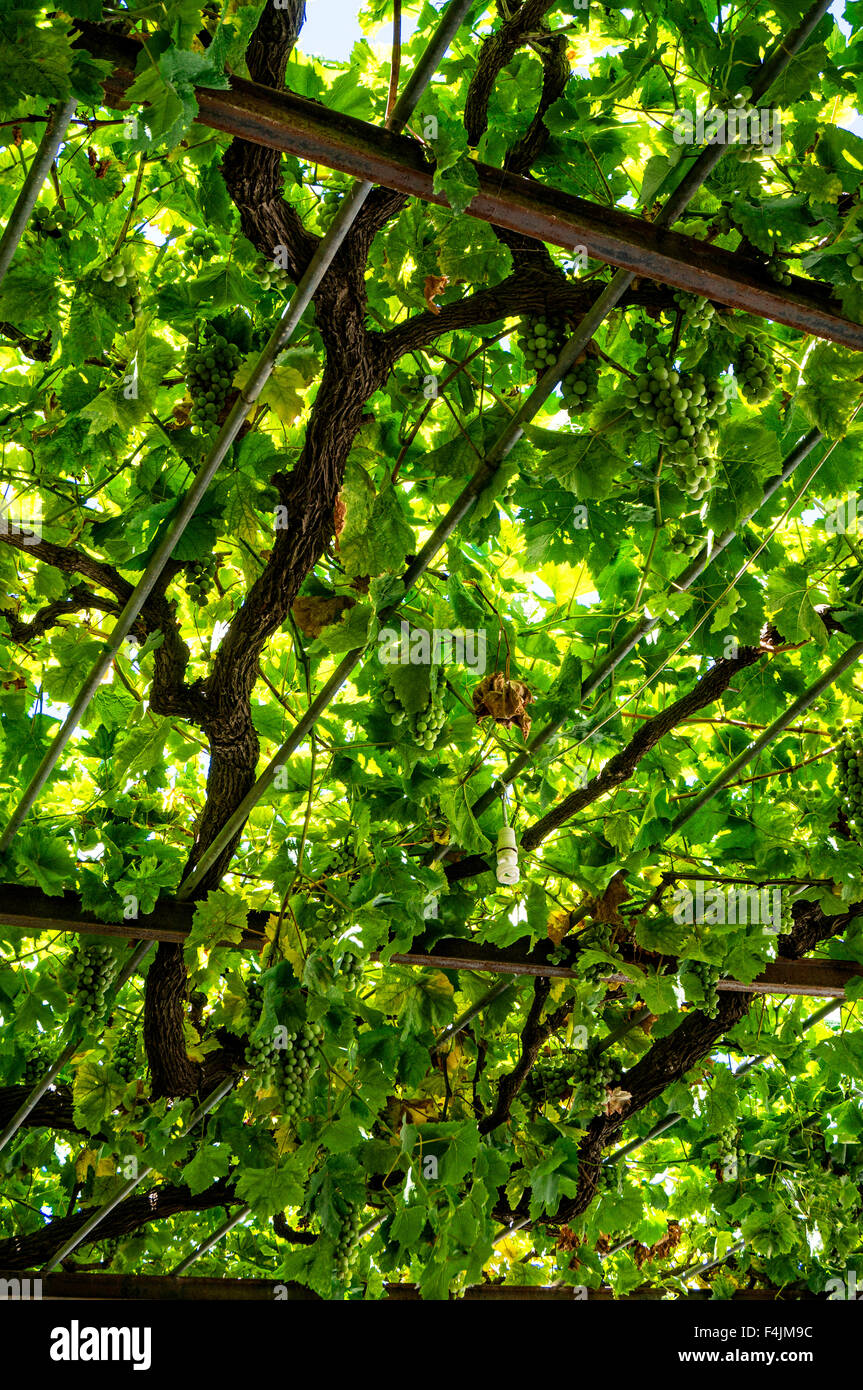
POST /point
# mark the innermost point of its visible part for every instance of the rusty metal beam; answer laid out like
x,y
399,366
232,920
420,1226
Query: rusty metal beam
x,y
33,913
283,121
167,1288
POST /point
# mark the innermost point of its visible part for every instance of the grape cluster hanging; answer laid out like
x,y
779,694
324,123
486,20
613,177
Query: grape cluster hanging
x,y
541,341
210,369
200,578
423,726
757,374
682,411
849,762
594,1074
285,1061
125,1052
91,965
707,977
200,246
347,1250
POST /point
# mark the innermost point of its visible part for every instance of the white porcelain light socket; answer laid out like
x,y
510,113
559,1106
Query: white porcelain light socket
x,y
507,856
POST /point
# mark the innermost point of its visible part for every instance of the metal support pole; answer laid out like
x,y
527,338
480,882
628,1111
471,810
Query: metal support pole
x,y
52,139
212,1240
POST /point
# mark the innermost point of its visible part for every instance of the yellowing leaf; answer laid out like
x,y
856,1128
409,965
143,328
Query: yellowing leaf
x,y
103,1167
286,950
282,394
282,391
557,926
240,515
555,994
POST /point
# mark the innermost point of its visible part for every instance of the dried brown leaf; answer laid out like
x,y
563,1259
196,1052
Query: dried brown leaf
x,y
434,285
503,700
312,613
605,908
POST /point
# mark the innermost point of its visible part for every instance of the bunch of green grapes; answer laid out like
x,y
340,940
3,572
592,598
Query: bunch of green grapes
x,y
726,1145
51,221
549,1079
271,276
854,262
580,387
210,369
254,997
351,969
778,271
126,1051
748,150
707,976
119,273
598,937
288,1068
342,860
756,372
593,1075
681,409
849,759
91,965
425,726
38,1062
200,578
329,204
696,310
347,1250
541,341
751,148
786,913
295,1064
200,246
684,544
